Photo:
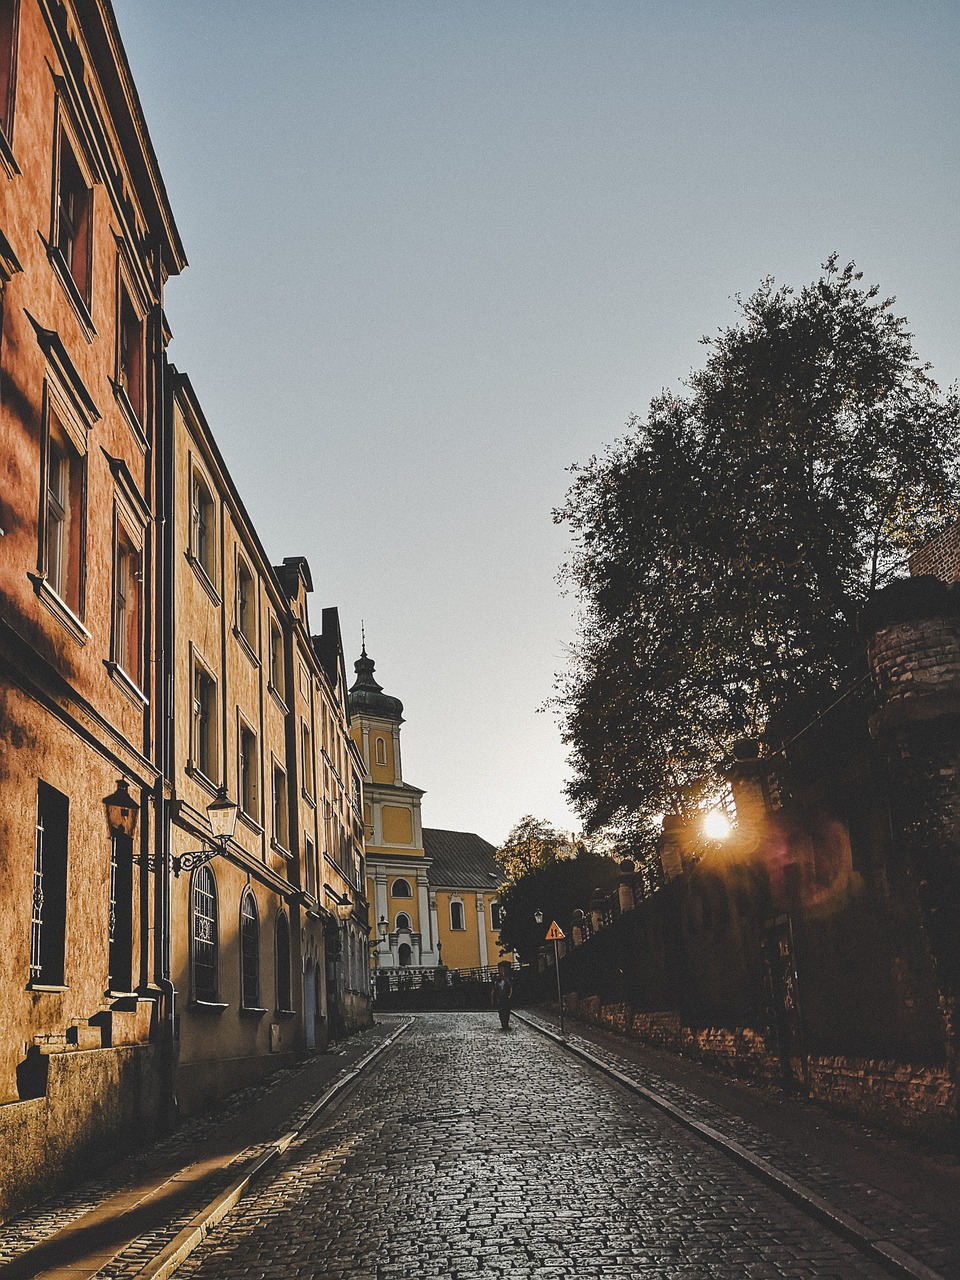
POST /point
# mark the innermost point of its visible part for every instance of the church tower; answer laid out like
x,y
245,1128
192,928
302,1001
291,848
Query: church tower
x,y
398,887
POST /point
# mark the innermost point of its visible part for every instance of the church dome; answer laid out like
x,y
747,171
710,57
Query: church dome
x,y
367,697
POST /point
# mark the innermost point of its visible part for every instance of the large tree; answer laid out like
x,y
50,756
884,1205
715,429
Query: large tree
x,y
723,549
532,843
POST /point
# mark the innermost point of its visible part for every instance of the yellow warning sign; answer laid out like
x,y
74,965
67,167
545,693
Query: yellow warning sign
x,y
555,933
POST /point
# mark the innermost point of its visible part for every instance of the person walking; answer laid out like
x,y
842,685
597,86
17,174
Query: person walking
x,y
502,996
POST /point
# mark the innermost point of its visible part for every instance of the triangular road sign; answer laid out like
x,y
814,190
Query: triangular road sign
x,y
555,933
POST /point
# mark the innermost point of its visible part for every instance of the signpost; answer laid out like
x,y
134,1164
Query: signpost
x,y
555,934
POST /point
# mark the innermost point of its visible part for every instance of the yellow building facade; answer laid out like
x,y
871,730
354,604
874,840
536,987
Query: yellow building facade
x,y
433,894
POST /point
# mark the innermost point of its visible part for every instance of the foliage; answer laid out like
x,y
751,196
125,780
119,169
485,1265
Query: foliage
x,y
532,843
557,888
724,547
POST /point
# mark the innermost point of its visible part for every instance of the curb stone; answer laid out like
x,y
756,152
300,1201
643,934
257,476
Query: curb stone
x,y
184,1243
891,1257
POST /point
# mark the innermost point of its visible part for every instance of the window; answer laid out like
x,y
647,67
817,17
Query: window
x,y
246,605
310,861
205,723
283,964
48,920
130,352
121,913
401,889
402,921
63,523
203,936
126,606
8,64
74,218
249,953
276,658
494,915
249,773
380,751
204,527
306,753
456,915
280,826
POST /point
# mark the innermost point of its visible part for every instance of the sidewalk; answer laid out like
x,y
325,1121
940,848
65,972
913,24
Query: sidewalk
x,y
899,1192
116,1226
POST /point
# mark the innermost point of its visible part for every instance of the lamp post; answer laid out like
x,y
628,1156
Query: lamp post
x,y
538,916
222,815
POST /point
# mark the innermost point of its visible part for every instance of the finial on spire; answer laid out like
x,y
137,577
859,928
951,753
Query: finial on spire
x,y
363,641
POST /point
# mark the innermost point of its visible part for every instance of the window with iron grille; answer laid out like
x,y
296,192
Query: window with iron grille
x,y
48,916
121,913
249,953
204,937
283,963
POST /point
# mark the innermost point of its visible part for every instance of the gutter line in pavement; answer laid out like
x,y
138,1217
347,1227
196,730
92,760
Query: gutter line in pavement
x,y
890,1256
183,1244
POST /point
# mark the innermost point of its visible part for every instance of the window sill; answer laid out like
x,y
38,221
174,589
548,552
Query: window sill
x,y
7,158
277,699
246,646
127,685
131,415
60,610
305,795
250,822
284,1013
250,1011
208,1006
203,578
282,850
46,988
71,289
199,776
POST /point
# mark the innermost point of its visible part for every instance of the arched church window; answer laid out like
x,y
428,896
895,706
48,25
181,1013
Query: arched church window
x,y
456,914
401,889
403,920
380,751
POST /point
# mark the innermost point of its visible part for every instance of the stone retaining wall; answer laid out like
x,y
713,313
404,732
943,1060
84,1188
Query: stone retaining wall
x,y
900,1096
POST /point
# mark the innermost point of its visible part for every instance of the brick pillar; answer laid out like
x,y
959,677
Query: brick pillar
x,y
913,644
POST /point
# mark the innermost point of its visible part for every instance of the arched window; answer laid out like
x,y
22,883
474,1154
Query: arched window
x,y
380,751
402,921
249,953
494,915
204,937
401,889
404,955
456,914
283,963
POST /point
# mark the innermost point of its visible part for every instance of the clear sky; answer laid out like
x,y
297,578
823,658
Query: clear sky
x,y
442,249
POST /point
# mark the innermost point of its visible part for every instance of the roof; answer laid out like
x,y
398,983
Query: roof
x,y
461,860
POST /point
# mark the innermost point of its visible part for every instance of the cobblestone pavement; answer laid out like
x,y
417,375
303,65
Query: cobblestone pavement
x,y
43,1221
930,1240
471,1153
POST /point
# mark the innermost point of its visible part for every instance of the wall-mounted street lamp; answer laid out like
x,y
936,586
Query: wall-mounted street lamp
x,y
122,811
222,815
538,916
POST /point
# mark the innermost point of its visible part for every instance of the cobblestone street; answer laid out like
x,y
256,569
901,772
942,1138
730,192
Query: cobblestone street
x,y
468,1152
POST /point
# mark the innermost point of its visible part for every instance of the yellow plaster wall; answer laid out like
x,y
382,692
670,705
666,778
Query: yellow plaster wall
x,y
397,825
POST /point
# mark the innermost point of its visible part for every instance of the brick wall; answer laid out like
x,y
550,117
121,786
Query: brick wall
x,y
940,556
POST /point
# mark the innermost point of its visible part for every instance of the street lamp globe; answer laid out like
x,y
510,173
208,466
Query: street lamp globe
x,y
222,813
538,916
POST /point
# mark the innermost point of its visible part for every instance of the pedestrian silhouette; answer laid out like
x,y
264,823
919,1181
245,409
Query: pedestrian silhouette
x,y
501,996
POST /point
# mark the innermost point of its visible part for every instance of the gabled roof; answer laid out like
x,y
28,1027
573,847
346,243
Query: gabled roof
x,y
461,860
